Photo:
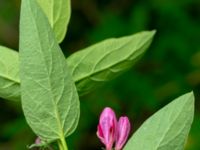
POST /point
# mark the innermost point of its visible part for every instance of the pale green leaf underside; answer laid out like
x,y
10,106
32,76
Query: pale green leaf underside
x,y
58,13
103,61
167,129
49,98
9,74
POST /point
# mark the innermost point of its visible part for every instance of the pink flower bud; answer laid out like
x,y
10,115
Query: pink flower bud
x,y
123,129
37,141
106,130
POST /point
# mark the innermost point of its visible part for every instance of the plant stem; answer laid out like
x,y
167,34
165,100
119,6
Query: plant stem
x,y
62,144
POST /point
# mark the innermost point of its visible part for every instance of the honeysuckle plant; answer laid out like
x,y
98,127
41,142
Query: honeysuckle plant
x,y
49,85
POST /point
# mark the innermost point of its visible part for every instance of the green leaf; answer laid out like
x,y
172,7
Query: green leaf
x,y
58,13
103,61
167,129
49,97
9,74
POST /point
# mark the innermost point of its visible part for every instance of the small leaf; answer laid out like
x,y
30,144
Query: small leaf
x,y
58,13
49,98
167,129
103,61
9,74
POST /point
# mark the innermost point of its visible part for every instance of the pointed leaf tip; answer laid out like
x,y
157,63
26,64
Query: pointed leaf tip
x,y
167,129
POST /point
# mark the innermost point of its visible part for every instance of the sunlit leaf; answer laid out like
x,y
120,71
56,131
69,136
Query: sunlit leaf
x,y
167,129
9,74
58,13
103,61
49,98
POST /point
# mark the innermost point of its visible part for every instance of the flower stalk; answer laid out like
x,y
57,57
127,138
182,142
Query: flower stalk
x,y
62,144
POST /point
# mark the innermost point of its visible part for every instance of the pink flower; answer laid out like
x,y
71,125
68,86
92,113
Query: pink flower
x,y
106,130
123,129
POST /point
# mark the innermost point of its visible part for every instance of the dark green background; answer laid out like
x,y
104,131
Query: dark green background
x,y
170,68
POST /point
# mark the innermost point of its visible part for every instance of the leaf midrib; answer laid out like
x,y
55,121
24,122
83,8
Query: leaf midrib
x,y
109,66
171,124
52,97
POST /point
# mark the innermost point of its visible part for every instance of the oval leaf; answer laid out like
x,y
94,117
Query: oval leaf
x,y
9,74
167,129
58,13
103,61
49,98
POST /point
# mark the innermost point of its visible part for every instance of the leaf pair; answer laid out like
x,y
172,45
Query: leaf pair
x,y
90,67
167,129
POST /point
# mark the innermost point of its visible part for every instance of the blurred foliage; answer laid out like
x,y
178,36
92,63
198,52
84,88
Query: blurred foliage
x,y
171,66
